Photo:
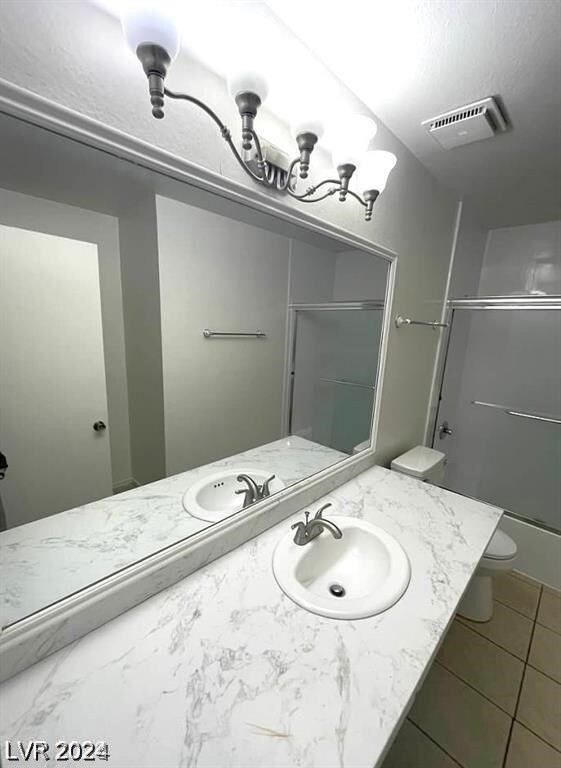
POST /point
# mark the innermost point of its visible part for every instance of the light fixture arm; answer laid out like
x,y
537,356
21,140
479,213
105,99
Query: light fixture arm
x,y
248,93
224,130
289,185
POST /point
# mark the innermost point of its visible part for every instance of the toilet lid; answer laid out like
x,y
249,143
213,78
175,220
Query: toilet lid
x,y
501,546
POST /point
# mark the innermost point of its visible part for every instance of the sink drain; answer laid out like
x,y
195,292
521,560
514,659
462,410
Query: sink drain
x,y
337,590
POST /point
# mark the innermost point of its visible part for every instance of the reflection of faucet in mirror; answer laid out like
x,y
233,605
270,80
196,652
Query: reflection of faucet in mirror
x,y
264,490
157,441
254,492
307,531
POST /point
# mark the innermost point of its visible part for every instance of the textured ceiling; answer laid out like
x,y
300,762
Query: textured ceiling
x,y
408,61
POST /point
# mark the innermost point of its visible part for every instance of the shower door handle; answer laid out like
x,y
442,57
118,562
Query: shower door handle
x,y
445,429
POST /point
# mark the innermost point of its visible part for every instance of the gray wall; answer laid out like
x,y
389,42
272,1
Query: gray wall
x,y
141,310
96,74
39,215
359,276
468,258
312,272
524,260
221,396
507,261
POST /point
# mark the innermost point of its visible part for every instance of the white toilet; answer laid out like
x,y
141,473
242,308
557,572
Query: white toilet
x,y
428,465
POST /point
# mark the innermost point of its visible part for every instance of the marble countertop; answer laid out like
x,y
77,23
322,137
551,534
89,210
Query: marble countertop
x,y
46,560
223,670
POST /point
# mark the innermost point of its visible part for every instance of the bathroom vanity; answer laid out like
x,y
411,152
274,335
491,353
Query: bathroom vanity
x,y
211,319
223,669
202,562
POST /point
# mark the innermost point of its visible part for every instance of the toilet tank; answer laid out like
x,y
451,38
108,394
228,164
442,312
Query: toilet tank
x,y
421,462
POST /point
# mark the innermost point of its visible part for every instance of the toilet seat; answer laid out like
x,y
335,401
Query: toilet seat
x,y
500,553
501,547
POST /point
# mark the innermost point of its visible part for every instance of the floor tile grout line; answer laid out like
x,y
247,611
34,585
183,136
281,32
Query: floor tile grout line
x,y
514,720
533,630
527,664
542,592
431,738
473,629
473,688
535,618
541,672
517,704
493,642
469,685
525,661
516,610
555,632
534,583
552,590
537,735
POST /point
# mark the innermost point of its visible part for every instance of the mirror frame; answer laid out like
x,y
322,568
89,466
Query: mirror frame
x,y
51,628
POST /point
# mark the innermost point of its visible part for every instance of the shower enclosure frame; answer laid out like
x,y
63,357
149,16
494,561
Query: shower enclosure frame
x,y
493,304
327,306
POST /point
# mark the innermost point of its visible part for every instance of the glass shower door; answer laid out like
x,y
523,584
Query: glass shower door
x,y
335,363
501,397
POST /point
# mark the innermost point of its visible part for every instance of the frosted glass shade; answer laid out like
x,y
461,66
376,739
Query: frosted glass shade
x,y
307,125
350,139
146,23
244,80
374,168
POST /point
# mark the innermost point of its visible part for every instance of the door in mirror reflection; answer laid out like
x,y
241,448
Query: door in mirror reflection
x,y
52,376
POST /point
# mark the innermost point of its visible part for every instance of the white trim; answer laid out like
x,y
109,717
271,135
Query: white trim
x,y
50,629
438,370
125,485
286,384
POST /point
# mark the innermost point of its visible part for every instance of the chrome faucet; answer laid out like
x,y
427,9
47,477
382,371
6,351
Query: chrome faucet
x,y
253,492
311,529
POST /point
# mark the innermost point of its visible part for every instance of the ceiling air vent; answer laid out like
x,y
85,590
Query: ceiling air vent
x,y
474,122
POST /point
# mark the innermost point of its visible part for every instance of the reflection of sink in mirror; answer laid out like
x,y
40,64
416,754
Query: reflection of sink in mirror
x,y
136,522
361,574
130,282
214,497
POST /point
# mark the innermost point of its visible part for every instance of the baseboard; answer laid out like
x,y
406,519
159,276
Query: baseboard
x,y
125,485
539,551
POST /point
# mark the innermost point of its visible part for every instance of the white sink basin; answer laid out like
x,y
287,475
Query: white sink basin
x,y
213,497
368,563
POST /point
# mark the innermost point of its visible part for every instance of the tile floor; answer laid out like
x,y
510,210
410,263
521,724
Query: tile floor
x,y
492,699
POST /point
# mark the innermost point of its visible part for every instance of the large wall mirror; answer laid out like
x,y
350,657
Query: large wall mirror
x,y
169,359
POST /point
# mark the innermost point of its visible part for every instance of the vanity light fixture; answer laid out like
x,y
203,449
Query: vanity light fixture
x,y
153,36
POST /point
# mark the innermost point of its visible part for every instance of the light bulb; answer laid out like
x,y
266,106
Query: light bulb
x,y
247,81
373,171
307,125
148,24
350,139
